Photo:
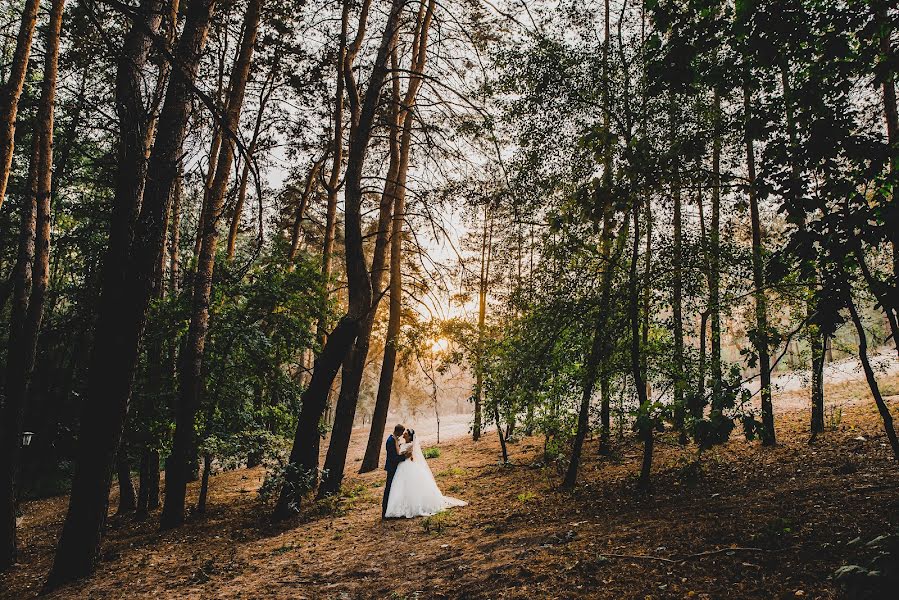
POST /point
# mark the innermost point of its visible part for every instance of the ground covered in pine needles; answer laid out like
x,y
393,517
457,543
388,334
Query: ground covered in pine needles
x,y
744,522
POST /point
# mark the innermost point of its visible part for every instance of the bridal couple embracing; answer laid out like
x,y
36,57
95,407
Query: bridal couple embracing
x,y
411,489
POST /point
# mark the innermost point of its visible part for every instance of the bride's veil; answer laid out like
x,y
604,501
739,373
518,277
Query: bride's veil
x,y
419,458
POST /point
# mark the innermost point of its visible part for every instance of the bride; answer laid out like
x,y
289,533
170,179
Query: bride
x,y
414,492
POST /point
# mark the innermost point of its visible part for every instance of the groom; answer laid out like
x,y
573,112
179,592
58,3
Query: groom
x,y
394,458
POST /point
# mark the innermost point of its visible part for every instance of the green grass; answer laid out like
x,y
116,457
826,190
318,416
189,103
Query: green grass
x,y
433,452
524,497
451,472
437,524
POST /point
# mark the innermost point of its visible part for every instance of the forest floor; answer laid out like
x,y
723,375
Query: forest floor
x,y
745,522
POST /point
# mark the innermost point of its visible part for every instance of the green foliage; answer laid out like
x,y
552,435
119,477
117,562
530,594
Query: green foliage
x,y
432,452
437,524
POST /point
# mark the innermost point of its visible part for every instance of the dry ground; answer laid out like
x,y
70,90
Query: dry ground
x,y
791,511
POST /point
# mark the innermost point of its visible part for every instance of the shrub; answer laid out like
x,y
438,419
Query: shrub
x,y
433,452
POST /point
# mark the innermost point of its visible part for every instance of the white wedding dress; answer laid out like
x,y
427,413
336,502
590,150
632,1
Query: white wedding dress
x,y
414,492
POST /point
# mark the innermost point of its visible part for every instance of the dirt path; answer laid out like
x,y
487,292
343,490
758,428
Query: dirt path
x,y
795,507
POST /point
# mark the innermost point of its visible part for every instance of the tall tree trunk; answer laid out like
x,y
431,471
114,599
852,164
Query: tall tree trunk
x,y
807,268
12,91
677,285
403,120
486,248
333,184
872,379
32,274
127,497
301,210
760,337
600,344
304,455
190,375
715,258
264,96
891,115
127,287
645,427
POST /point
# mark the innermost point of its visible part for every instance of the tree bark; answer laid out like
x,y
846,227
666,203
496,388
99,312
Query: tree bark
x,y
12,91
600,344
304,455
872,379
245,175
190,375
401,143
760,338
807,267
31,276
301,210
677,285
715,258
891,116
124,299
127,497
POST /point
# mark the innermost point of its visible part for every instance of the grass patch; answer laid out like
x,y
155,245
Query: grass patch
x,y
437,524
432,452
451,472
525,497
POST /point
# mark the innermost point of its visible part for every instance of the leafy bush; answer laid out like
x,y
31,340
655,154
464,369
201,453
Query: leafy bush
x,y
433,452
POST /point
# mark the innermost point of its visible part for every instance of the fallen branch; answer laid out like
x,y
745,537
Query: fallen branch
x,y
724,550
639,557
689,556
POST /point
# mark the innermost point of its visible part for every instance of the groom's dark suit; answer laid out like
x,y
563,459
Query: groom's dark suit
x,y
394,459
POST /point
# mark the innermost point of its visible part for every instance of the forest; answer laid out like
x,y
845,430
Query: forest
x,y
630,268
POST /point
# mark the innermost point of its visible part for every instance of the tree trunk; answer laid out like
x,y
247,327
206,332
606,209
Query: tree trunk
x,y
301,210
486,250
12,91
304,456
807,268
872,379
677,285
402,148
127,287
891,115
305,452
645,429
127,497
600,345
264,96
31,276
190,376
204,484
715,259
760,337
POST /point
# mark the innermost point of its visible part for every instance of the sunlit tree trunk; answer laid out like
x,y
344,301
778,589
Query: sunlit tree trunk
x,y
304,455
31,276
12,91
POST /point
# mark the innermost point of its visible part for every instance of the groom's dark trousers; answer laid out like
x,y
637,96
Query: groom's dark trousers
x,y
394,459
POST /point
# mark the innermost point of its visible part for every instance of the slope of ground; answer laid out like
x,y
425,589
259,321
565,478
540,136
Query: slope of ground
x,y
746,522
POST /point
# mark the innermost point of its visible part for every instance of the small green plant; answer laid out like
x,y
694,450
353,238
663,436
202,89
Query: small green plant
x,y
834,417
525,497
433,452
436,524
451,472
